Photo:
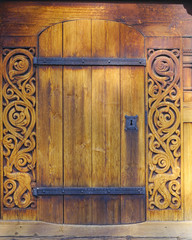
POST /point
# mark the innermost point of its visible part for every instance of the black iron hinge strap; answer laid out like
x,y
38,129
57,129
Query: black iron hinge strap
x,y
80,61
40,191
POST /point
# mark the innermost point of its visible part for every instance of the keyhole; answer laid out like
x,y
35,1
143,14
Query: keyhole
x,y
131,122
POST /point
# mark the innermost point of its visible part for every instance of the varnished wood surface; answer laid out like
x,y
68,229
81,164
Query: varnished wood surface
x,y
105,117
22,22
49,126
30,18
97,151
77,121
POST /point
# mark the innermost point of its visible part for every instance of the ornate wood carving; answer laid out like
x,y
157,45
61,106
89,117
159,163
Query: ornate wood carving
x,y
19,120
164,129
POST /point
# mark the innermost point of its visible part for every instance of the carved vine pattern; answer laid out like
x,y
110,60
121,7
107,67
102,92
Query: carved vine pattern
x,y
19,118
164,129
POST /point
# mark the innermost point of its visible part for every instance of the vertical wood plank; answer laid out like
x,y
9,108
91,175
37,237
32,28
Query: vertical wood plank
x,y
105,122
187,171
77,121
77,124
132,141
187,71
49,127
187,84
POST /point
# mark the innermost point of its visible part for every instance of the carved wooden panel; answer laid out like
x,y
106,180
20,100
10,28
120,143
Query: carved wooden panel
x,y
19,119
164,129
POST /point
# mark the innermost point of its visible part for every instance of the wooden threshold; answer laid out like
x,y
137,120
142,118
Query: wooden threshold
x,y
145,229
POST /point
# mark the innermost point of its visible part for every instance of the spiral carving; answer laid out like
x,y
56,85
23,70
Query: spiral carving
x,y
164,123
19,134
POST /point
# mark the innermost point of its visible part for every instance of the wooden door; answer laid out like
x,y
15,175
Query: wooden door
x,y
81,137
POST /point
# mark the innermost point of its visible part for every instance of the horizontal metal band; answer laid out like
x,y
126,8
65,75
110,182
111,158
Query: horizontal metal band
x,y
69,61
40,191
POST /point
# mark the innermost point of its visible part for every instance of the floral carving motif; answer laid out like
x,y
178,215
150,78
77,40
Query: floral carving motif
x,y
19,127
164,118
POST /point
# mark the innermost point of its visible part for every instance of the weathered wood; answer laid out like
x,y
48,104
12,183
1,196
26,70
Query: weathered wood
x,y
187,171
187,72
49,127
105,122
19,41
171,19
187,119
77,121
132,141
147,229
187,114
107,91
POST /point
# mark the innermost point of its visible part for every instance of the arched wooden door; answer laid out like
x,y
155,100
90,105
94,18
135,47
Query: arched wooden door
x,y
82,141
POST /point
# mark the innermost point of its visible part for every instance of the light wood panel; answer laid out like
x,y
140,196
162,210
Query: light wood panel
x,y
187,171
49,126
77,121
105,122
187,84
187,130
187,112
146,230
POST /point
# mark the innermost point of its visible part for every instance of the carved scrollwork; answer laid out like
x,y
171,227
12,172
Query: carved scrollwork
x,y
19,121
164,123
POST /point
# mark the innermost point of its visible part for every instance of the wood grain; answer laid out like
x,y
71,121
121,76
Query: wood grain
x,y
19,41
93,148
187,128
132,142
187,80
30,18
49,126
165,229
77,121
187,112
105,122
187,171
